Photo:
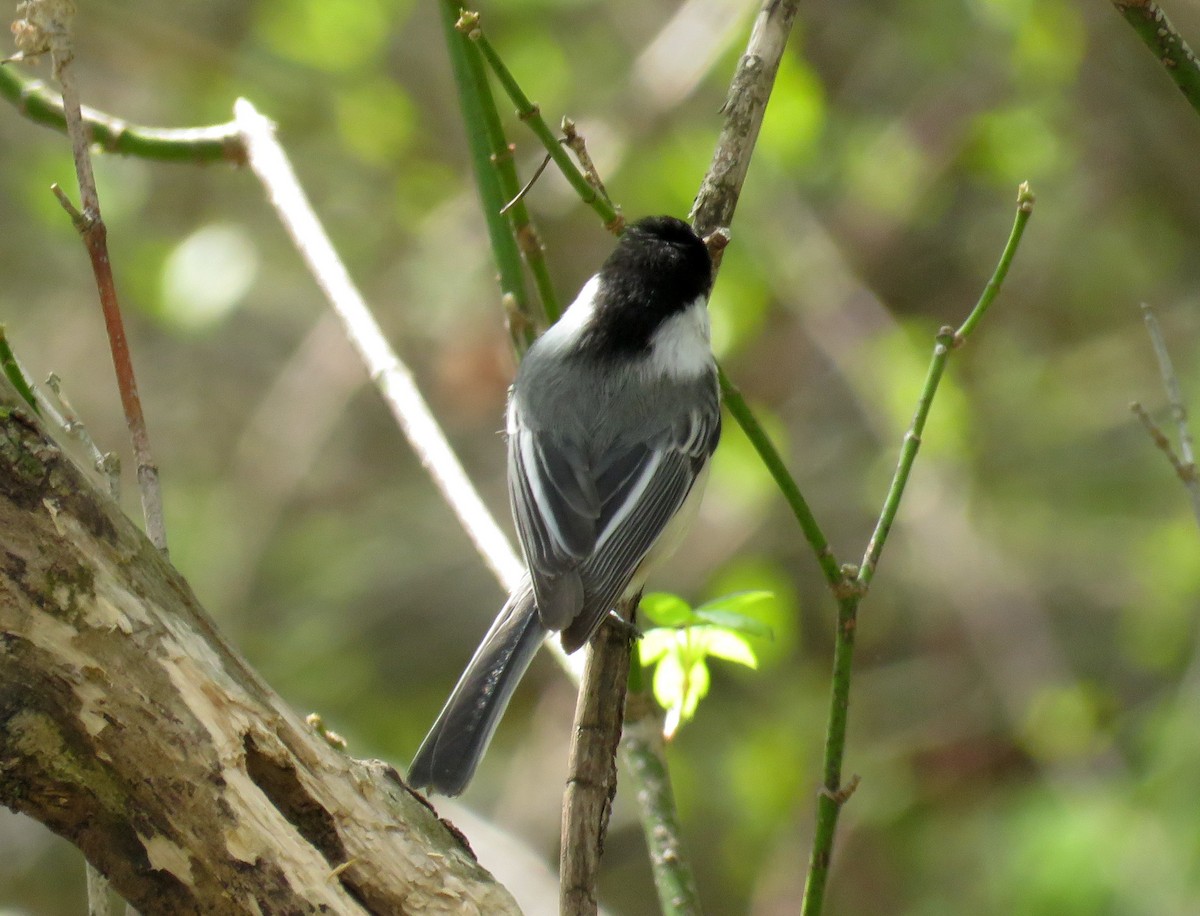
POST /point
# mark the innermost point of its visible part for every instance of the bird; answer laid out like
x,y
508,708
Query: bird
x,y
612,419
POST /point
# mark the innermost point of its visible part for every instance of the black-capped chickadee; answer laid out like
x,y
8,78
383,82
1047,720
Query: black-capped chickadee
x,y
611,421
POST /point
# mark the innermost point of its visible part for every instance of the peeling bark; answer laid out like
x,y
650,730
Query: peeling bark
x,y
130,727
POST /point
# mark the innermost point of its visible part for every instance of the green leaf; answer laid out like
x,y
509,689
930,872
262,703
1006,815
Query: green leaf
x,y
722,643
669,682
666,610
781,613
730,612
655,644
738,622
738,602
695,688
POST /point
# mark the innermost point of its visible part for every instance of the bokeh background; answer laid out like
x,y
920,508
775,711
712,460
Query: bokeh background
x,y
1027,689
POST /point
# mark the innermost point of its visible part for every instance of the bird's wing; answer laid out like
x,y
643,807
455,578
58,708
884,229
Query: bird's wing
x,y
556,507
586,522
641,488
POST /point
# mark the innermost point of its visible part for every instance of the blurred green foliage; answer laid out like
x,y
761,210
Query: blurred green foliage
x,y
1028,674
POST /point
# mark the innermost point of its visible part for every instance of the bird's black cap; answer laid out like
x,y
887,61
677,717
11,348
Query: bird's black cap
x,y
659,267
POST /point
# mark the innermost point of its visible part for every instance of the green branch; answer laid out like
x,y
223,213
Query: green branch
x,y
528,112
12,371
774,463
510,227
38,103
947,340
484,139
1152,25
644,752
833,794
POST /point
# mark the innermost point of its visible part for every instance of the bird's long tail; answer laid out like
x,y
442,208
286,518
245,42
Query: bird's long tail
x,y
446,759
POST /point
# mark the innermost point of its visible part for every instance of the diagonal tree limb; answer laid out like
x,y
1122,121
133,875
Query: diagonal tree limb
x,y
131,728
744,109
387,372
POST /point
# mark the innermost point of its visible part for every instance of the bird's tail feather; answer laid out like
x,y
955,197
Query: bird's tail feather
x,y
446,759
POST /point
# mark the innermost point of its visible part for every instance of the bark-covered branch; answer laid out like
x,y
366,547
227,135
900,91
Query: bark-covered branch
x,y
130,727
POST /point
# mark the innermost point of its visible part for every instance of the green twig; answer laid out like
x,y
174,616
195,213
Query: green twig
x,y
833,794
943,343
1152,25
495,156
12,371
40,104
644,753
528,112
1025,201
947,339
774,463
491,162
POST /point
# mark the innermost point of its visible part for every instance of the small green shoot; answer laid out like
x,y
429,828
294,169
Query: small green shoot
x,y
12,370
683,638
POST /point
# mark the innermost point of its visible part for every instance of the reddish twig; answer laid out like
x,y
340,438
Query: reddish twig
x,y
47,28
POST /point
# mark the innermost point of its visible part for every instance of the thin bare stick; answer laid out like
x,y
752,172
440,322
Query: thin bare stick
x,y
387,372
528,185
59,410
592,779
1171,385
46,27
1160,439
574,139
1184,462
744,109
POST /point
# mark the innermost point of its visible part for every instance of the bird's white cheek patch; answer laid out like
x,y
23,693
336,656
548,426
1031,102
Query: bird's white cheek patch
x,y
680,347
510,415
568,329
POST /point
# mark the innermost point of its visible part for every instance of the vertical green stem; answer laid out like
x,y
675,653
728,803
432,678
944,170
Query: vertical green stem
x,y
12,370
737,407
481,140
833,794
643,750
501,154
468,23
